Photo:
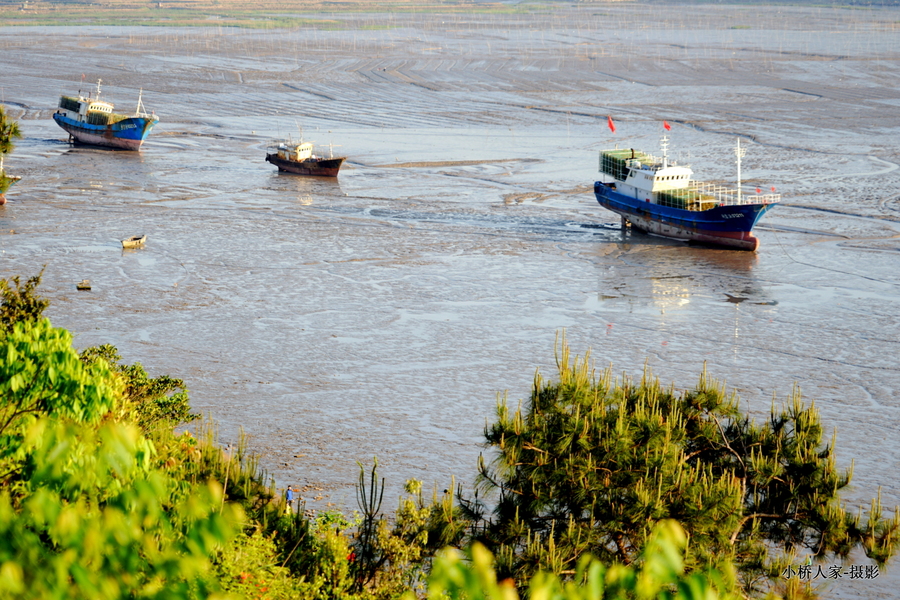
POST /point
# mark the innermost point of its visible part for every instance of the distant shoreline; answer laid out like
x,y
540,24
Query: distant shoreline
x,y
266,14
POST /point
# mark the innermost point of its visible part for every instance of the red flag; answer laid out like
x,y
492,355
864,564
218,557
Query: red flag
x,y
667,126
773,188
609,122
758,191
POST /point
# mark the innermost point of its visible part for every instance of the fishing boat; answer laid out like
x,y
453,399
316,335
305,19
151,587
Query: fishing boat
x,y
298,158
135,241
90,120
659,197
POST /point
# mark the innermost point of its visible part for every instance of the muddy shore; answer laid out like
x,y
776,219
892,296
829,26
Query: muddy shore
x,y
381,314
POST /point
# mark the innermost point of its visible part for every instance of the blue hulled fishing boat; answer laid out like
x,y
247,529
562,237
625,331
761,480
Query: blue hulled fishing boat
x,y
92,121
656,196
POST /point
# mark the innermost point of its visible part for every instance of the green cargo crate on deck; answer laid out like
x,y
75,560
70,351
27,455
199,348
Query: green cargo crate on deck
x,y
68,103
613,162
685,199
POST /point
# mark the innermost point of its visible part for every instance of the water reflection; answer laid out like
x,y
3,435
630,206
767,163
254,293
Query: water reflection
x,y
78,149
306,190
669,278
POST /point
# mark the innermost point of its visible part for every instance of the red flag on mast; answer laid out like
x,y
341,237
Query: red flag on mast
x,y
667,126
609,122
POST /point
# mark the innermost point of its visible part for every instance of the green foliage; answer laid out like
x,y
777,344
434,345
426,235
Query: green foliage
x,y
391,556
86,512
250,567
156,402
9,131
336,520
20,302
102,499
318,558
6,181
41,376
591,465
658,574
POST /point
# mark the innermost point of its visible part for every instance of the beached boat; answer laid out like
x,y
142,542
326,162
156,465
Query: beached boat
x,y
92,121
84,285
657,196
135,241
299,158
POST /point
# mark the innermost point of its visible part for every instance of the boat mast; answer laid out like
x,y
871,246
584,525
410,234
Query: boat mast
x,y
739,152
664,146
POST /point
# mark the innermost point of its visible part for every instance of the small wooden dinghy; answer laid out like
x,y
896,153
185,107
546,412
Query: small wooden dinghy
x,y
135,241
84,284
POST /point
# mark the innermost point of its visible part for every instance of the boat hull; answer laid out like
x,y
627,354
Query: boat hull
x,y
728,226
127,134
136,241
316,167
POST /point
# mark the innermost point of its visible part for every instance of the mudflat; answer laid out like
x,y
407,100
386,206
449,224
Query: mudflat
x,y
380,314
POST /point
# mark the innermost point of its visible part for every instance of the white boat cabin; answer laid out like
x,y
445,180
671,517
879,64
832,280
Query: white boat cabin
x,y
644,176
297,153
82,106
78,108
645,181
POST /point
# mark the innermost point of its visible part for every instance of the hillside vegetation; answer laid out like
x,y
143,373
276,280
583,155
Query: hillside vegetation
x,y
593,489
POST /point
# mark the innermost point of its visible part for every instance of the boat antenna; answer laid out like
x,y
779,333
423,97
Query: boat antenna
x,y
739,153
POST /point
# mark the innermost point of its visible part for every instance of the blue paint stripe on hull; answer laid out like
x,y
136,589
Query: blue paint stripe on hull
x,y
128,133
720,220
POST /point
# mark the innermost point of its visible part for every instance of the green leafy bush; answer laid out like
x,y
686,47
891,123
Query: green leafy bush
x,y
85,510
19,302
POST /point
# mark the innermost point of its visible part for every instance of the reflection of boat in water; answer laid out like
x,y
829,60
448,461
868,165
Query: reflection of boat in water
x,y
92,121
299,158
659,197
135,241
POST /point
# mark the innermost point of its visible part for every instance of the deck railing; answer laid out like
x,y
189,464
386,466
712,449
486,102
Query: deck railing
x,y
723,196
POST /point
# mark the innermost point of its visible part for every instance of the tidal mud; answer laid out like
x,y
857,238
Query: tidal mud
x,y
381,314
